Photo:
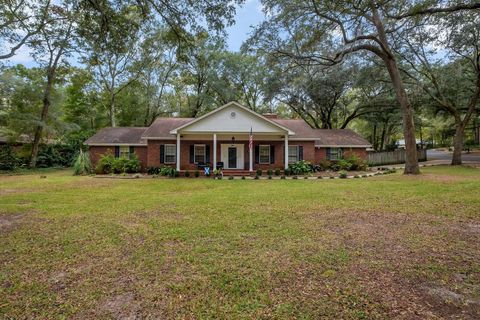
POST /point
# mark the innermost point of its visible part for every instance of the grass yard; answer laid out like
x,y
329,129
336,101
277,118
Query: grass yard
x,y
375,248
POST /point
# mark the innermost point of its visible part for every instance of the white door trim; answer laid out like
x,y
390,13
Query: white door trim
x,y
240,155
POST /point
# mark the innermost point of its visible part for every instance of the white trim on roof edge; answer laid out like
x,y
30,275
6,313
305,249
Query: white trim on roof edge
x,y
290,132
342,146
111,144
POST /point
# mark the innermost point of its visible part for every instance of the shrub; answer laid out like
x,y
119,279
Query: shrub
x,y
259,172
230,178
357,163
356,176
277,172
105,164
283,177
295,177
257,177
243,177
153,170
300,167
270,177
176,173
167,171
344,164
334,166
119,165
187,174
132,165
196,173
8,158
287,172
342,174
82,164
269,172
324,165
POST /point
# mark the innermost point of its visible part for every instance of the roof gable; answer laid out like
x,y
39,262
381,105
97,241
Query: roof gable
x,y
232,117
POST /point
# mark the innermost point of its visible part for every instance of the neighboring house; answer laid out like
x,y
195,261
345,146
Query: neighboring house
x,y
221,139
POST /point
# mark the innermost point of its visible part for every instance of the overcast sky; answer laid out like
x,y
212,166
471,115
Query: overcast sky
x,y
247,16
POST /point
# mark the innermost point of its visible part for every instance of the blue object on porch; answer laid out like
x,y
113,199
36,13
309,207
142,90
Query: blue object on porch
x,y
206,170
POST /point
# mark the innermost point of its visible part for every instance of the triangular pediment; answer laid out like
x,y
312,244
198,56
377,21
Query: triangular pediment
x,y
235,118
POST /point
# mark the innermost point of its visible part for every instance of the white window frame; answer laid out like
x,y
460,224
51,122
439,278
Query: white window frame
x,y
339,154
195,153
122,153
297,153
174,153
260,153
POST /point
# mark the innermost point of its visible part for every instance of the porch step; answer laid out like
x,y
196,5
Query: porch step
x,y
237,173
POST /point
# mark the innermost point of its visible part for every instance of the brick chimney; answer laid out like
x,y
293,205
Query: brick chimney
x,y
270,115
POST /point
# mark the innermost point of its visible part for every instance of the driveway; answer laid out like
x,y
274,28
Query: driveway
x,y
434,154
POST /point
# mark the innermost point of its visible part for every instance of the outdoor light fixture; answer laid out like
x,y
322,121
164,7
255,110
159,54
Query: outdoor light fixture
x,y
233,139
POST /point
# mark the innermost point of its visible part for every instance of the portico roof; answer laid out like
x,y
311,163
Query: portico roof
x,y
232,117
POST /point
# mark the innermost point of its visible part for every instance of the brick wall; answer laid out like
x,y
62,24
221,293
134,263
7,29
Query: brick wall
x,y
96,153
359,152
321,153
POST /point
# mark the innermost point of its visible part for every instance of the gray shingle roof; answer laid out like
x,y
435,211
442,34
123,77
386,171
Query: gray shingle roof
x,y
118,135
323,137
161,128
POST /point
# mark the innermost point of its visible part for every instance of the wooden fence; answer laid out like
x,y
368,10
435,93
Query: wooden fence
x,y
392,157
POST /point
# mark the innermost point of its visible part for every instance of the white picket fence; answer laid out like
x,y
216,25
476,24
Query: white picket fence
x,y
392,157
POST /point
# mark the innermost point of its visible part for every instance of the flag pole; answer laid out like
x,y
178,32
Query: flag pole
x,y
250,153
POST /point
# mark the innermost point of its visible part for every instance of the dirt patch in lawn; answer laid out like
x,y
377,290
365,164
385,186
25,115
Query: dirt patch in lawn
x,y
8,222
407,263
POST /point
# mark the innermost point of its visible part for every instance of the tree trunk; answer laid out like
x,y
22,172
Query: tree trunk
x,y
43,118
411,158
112,111
458,145
374,137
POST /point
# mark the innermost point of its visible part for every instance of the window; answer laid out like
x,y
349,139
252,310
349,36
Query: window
x,y
264,154
124,152
293,154
170,152
335,154
199,153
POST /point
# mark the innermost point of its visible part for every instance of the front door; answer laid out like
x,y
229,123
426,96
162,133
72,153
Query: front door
x,y
232,157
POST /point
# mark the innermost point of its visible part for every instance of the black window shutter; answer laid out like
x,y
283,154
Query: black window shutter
x,y
191,153
117,151
207,153
300,152
328,153
131,151
272,154
162,153
257,154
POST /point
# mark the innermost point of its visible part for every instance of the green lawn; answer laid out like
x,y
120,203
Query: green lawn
x,y
382,247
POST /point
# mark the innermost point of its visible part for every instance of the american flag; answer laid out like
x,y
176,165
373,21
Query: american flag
x,y
250,140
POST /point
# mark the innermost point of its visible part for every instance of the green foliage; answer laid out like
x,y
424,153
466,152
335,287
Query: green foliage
x,y
187,174
82,164
300,167
109,164
342,174
56,155
196,173
269,172
344,164
287,171
259,172
167,171
325,165
153,170
8,158
277,172
357,163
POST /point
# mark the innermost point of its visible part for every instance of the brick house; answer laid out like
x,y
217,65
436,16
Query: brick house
x,y
221,139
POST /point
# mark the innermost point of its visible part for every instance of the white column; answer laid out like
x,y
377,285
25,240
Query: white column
x,y
178,151
250,158
214,151
286,151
